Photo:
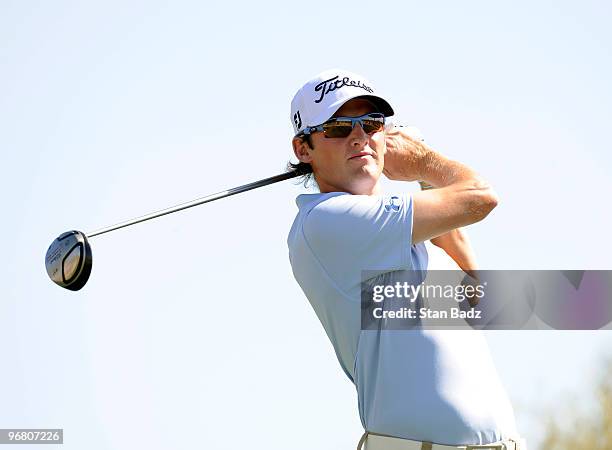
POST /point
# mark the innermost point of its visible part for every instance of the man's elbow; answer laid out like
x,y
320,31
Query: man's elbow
x,y
485,200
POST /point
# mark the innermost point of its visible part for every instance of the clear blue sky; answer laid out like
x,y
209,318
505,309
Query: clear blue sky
x,y
193,322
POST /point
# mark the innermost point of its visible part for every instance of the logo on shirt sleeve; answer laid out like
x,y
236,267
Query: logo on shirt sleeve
x,y
393,204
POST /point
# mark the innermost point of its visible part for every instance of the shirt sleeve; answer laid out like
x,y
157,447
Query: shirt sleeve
x,y
350,233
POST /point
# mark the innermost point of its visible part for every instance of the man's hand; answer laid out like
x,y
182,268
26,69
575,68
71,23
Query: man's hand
x,y
404,155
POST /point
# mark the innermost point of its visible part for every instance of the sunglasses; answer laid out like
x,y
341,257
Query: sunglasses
x,y
341,127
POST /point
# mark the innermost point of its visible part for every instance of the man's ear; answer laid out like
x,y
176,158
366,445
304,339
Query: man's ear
x,y
302,150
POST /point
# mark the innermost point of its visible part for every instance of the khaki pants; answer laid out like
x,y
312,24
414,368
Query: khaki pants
x,y
375,441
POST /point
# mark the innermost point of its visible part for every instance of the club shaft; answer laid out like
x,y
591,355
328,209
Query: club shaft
x,y
196,202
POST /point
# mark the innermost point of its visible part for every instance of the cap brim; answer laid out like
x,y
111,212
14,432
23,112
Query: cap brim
x,y
381,104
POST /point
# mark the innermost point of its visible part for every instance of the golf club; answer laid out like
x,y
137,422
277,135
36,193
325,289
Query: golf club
x,y
69,259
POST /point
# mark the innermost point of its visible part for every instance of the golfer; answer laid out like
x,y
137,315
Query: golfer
x,y
416,389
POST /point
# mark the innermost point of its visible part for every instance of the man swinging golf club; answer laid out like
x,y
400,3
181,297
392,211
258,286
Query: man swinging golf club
x,y
417,389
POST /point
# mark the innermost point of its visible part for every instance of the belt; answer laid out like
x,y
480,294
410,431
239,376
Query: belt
x,y
377,441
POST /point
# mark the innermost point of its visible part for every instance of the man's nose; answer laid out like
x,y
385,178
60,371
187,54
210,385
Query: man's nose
x,y
358,136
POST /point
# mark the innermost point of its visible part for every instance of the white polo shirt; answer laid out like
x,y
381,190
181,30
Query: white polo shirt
x,y
428,385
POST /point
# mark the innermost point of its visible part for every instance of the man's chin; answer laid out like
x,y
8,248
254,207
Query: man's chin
x,y
369,169
365,180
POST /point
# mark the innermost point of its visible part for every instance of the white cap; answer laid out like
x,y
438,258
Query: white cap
x,y
322,96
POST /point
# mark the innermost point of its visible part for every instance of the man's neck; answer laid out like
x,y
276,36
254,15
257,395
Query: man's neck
x,y
376,189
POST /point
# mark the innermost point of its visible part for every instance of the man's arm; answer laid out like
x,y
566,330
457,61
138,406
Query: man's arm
x,y
461,197
457,245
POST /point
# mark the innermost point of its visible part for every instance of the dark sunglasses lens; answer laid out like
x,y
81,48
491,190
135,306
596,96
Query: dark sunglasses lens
x,y
338,129
372,126
342,128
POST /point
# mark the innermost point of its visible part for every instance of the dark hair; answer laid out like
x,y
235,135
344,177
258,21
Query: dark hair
x,y
304,169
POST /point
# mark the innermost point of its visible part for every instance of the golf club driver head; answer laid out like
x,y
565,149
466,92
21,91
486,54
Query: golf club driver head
x,y
68,260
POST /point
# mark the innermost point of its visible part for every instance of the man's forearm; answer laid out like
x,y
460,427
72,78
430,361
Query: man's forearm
x,y
462,197
440,171
457,245
462,188
410,159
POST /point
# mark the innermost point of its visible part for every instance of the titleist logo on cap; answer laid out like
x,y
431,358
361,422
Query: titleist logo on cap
x,y
332,84
320,97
